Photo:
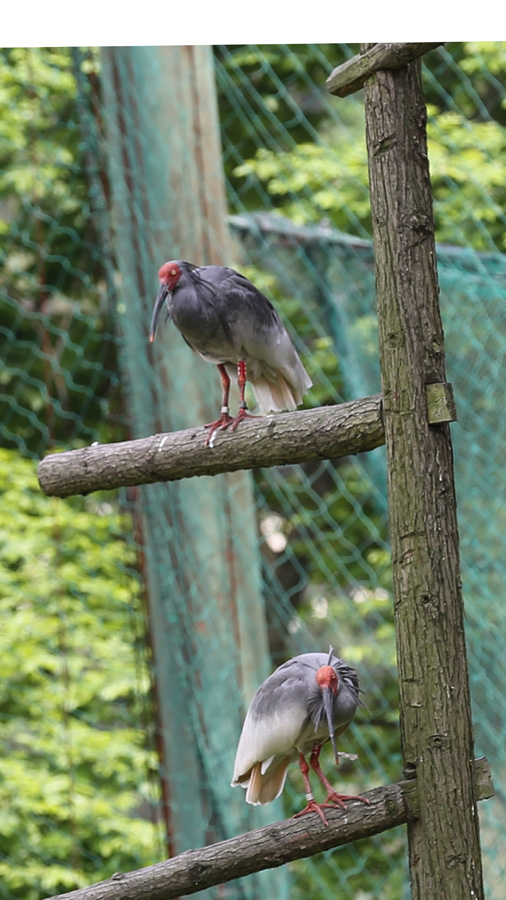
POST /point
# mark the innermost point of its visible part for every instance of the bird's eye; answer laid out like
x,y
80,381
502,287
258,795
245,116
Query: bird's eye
x,y
173,272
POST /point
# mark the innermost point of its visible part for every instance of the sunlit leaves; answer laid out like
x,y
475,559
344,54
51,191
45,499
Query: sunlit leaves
x,y
75,768
326,179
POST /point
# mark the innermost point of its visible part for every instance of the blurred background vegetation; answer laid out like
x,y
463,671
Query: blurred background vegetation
x,y
83,788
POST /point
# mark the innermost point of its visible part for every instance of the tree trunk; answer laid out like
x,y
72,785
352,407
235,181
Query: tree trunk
x,y
203,575
436,729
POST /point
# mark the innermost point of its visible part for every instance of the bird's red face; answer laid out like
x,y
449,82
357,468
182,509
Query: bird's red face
x,y
327,678
328,681
169,274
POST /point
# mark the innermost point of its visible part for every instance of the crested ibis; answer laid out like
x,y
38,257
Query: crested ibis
x,y
306,702
228,321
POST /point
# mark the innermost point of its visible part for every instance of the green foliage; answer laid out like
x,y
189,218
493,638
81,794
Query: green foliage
x,y
326,178
41,181
468,76
56,333
76,769
466,170
363,870
272,96
311,182
281,83
76,782
468,181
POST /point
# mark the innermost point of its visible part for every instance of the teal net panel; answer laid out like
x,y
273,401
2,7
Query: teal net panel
x,y
108,618
79,781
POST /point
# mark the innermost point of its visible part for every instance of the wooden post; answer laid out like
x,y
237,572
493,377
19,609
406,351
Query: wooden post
x,y
437,738
203,575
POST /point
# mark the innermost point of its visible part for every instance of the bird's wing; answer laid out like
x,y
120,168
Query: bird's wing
x,y
276,717
261,338
248,312
265,738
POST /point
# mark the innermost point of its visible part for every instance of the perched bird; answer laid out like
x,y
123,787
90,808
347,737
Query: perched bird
x,y
227,320
306,702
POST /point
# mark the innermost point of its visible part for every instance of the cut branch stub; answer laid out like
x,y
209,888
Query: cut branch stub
x,y
352,75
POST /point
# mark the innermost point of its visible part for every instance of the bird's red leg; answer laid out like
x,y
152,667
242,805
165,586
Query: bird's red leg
x,y
332,796
312,805
241,381
225,417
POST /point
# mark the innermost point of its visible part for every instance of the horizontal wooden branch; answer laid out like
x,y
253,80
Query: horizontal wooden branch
x,y
323,433
352,75
271,846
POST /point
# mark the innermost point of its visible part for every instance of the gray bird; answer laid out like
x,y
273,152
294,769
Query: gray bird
x,y
229,322
306,702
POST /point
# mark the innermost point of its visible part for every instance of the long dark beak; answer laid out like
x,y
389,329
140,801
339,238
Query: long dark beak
x,y
160,300
328,697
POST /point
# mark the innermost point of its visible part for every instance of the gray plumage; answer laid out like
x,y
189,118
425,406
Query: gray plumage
x,y
225,318
288,715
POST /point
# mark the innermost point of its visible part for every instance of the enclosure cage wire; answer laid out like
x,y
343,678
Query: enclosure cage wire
x,y
61,389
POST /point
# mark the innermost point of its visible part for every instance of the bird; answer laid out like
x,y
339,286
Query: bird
x,y
223,317
306,702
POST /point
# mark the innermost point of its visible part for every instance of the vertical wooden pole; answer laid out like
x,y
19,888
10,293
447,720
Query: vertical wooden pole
x,y
204,582
436,728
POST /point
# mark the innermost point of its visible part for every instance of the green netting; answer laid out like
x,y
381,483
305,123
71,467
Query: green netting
x,y
138,624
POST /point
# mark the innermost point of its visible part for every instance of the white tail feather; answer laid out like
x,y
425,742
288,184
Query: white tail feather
x,y
275,395
265,788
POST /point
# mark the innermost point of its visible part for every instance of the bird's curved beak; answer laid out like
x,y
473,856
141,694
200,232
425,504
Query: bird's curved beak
x,y
328,705
160,300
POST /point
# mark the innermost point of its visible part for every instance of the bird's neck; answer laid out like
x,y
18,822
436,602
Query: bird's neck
x,y
192,308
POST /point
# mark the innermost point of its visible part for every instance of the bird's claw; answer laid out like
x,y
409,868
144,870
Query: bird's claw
x,y
338,799
220,425
313,806
225,421
331,802
242,414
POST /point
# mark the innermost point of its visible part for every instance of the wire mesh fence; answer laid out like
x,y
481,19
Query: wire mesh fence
x,y
131,647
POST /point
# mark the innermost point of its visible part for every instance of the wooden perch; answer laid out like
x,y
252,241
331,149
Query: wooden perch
x,y
328,432
352,75
323,433
270,846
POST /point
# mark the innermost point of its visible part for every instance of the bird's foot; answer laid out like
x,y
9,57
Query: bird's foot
x,y
313,806
219,425
226,420
242,414
335,799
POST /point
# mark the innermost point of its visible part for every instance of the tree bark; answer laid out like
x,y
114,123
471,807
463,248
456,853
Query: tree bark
x,y
264,848
201,564
352,75
271,846
323,433
437,738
